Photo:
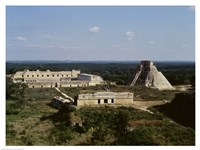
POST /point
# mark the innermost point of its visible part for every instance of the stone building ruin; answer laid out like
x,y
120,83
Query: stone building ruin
x,y
148,75
49,79
100,98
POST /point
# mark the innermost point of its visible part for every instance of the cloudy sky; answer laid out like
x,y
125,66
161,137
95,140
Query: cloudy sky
x,y
100,33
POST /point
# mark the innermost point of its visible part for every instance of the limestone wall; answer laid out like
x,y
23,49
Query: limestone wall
x,y
58,84
40,76
92,78
99,98
88,102
48,79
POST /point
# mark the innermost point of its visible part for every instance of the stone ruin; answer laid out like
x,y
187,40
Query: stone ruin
x,y
148,75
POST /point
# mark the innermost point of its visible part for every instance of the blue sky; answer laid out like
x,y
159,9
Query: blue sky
x,y
100,33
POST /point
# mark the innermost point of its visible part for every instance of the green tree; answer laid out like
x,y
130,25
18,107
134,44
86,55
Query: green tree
x,y
15,96
121,119
15,90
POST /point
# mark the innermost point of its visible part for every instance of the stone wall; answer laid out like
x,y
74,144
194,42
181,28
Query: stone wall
x,y
92,78
41,76
49,79
58,84
99,98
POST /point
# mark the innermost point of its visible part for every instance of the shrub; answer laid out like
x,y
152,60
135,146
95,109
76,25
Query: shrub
x,y
60,134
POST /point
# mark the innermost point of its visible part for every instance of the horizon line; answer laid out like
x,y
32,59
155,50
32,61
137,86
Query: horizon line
x,y
100,60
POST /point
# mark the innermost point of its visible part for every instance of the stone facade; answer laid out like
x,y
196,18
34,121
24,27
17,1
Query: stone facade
x,y
48,79
42,76
100,98
148,75
93,79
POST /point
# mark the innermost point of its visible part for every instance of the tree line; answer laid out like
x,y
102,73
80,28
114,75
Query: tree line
x,y
120,73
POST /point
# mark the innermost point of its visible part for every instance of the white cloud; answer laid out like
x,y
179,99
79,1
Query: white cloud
x,y
192,8
50,46
129,35
40,46
94,29
20,38
152,42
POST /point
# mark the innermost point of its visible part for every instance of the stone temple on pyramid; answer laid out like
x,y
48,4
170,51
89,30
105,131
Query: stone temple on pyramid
x,y
148,75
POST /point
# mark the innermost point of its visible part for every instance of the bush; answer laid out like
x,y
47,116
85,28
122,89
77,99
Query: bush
x,y
10,132
60,134
13,107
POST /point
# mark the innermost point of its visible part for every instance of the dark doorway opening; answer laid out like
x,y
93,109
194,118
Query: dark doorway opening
x,y
105,100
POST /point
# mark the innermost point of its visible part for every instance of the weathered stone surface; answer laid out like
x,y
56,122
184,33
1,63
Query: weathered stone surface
x,y
57,102
148,75
99,98
49,79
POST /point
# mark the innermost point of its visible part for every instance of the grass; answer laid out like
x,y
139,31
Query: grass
x,y
43,94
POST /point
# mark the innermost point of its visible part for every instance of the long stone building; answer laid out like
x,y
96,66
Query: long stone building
x,y
48,79
99,98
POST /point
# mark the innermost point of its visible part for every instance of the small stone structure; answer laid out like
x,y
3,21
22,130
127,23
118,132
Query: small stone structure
x,y
93,79
100,98
148,75
49,79
57,102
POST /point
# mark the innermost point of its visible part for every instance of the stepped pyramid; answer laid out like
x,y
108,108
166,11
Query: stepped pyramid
x,y
148,75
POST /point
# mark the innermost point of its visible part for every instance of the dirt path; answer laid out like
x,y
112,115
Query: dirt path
x,y
149,103
143,105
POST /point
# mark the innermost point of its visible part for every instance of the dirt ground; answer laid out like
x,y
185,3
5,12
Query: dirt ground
x,y
148,103
183,87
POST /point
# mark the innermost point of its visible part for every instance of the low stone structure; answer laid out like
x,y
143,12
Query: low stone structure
x,y
99,98
93,79
57,102
49,79
148,75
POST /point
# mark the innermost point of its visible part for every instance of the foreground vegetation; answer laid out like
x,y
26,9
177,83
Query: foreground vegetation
x,y
38,124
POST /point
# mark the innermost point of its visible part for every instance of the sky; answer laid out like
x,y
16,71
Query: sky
x,y
85,33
